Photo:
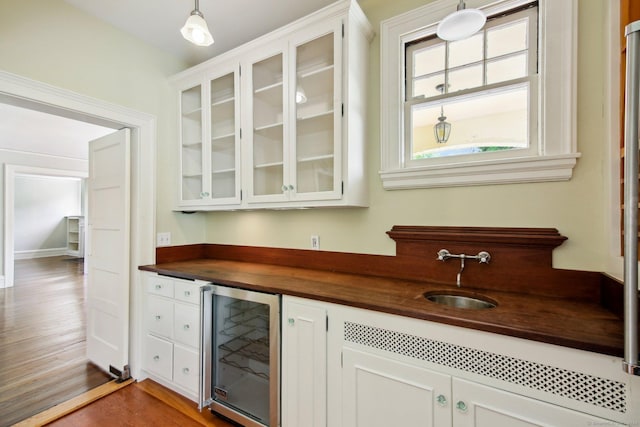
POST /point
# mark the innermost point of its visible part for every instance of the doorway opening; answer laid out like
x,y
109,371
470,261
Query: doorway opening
x,y
18,91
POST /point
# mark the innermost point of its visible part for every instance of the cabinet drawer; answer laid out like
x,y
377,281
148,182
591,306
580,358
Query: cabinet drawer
x,y
159,316
186,326
185,368
158,357
160,286
187,292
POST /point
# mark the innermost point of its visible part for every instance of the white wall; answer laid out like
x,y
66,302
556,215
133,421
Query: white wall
x,y
41,205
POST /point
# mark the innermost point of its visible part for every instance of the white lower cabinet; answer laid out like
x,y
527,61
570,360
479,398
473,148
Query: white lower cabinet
x,y
172,327
383,392
372,369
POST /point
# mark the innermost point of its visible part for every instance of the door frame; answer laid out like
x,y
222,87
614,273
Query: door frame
x,y
27,93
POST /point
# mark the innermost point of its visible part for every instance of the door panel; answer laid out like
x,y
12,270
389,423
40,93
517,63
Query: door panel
x,y
108,251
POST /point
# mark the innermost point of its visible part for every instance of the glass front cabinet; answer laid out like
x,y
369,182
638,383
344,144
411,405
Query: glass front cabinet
x,y
210,141
283,126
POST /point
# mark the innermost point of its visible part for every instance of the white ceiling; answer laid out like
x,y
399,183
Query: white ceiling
x,y
26,130
231,22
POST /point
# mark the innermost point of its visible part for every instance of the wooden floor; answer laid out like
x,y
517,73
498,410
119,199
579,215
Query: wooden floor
x,y
42,338
141,404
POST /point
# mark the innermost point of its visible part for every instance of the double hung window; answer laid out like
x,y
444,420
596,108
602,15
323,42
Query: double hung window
x,y
497,107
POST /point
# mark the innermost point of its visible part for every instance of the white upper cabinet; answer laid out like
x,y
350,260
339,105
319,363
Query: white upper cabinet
x,y
288,109
210,140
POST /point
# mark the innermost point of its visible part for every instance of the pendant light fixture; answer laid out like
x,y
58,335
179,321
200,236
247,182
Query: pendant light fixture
x,y
461,24
195,29
442,129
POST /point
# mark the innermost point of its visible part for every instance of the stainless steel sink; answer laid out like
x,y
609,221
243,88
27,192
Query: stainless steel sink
x,y
461,300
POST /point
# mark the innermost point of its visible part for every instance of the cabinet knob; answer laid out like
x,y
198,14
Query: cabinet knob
x,y
158,287
186,327
291,321
461,406
185,370
284,188
291,187
187,293
156,358
442,401
158,317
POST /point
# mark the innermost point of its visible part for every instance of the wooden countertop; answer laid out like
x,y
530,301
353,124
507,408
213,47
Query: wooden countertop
x,y
576,323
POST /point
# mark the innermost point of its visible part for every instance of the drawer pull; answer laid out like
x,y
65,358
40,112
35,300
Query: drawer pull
x,y
185,371
186,327
187,293
158,317
158,287
442,401
156,358
461,406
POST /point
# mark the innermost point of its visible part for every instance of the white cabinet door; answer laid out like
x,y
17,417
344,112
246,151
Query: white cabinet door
x,y
265,112
294,112
304,365
475,405
380,392
194,189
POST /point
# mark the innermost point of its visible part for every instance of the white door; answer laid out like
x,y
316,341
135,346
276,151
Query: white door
x,y
381,392
108,253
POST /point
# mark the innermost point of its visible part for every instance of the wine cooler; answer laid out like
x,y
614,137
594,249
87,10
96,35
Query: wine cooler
x,y
240,355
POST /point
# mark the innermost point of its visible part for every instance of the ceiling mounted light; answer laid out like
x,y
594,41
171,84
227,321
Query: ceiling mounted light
x,y
442,129
461,24
195,29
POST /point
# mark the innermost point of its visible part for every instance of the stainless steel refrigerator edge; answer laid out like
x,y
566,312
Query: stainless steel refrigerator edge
x,y
218,397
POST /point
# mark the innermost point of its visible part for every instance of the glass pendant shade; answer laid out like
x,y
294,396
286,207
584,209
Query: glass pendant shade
x,y
461,24
301,96
196,31
442,130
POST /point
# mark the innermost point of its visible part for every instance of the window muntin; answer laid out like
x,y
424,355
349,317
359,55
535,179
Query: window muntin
x,y
501,56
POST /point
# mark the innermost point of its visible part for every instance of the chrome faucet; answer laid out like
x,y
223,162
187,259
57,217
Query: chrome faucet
x,y
483,257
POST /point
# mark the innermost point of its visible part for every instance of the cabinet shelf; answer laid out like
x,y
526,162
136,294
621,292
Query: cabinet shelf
x,y
268,127
316,115
192,114
224,136
196,145
268,88
314,72
223,101
192,175
315,158
223,171
268,165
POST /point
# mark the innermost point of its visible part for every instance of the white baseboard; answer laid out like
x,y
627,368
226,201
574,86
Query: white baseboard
x,y
39,253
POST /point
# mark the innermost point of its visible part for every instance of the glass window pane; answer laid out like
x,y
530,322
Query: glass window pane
x,y
507,39
508,68
492,122
466,51
465,78
428,60
427,86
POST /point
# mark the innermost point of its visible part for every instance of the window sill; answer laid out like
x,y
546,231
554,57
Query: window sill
x,y
503,171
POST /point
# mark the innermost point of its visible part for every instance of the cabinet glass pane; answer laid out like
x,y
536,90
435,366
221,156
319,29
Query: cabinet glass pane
x,y
268,134
191,142
315,115
223,137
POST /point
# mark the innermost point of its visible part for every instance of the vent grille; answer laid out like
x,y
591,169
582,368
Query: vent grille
x,y
577,386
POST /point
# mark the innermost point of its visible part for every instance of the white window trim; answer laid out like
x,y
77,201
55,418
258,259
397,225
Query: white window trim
x,y
557,102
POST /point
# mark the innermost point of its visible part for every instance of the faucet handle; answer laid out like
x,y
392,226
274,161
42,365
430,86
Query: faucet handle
x,y
443,255
484,257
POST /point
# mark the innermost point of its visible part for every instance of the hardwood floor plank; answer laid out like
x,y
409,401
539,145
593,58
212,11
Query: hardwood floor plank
x,y
141,405
42,338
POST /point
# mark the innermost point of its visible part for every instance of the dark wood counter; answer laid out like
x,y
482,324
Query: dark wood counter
x,y
577,309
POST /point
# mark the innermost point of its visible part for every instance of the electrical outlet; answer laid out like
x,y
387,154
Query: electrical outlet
x,y
163,239
315,243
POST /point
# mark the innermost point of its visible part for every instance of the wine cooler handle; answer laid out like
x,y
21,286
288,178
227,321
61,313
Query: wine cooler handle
x,y
206,349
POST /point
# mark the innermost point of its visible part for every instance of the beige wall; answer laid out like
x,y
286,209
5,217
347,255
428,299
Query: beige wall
x,y
577,207
50,41
53,42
